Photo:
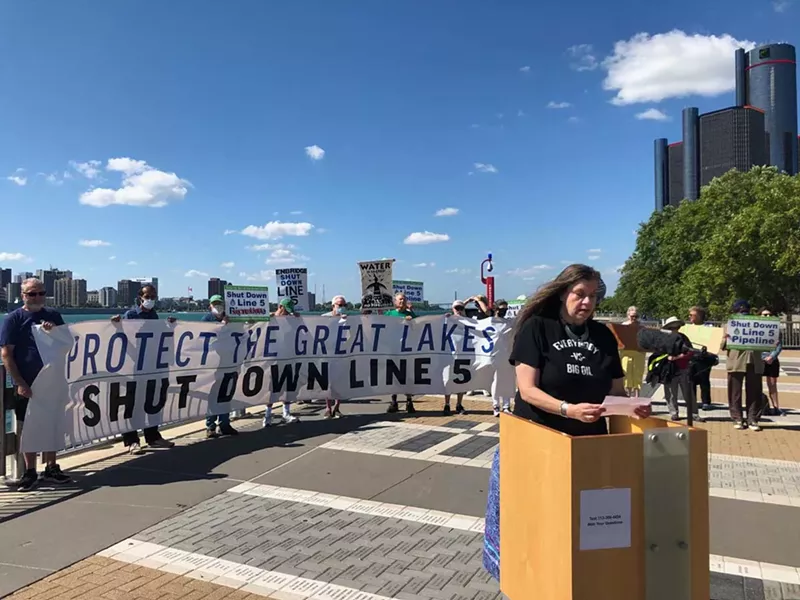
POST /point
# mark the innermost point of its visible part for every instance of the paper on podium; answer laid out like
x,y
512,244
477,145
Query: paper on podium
x,y
622,405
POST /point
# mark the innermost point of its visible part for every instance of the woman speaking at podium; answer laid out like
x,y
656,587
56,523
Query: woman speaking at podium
x,y
566,363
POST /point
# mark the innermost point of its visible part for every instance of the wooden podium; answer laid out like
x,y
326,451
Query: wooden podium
x,y
616,517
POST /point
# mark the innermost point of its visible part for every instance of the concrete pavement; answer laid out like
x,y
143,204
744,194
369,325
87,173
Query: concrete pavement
x,y
369,507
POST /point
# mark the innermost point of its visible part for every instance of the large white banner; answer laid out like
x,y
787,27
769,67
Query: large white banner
x,y
376,284
293,283
102,379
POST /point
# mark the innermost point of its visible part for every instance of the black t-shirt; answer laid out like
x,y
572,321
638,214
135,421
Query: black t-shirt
x,y
570,370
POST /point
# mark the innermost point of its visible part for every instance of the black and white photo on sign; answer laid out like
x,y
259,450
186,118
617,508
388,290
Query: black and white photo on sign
x,y
376,284
293,283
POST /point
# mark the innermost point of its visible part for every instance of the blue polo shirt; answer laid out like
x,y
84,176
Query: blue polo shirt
x,y
17,331
140,313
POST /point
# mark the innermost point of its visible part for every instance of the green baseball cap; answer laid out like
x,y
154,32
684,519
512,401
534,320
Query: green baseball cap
x,y
216,298
288,304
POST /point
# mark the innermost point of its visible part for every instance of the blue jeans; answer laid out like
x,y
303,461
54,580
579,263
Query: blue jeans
x,y
224,419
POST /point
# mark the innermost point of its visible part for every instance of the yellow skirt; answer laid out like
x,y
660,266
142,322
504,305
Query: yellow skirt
x,y
633,365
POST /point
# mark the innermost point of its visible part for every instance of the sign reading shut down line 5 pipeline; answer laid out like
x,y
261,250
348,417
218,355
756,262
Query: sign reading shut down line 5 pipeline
x,y
103,379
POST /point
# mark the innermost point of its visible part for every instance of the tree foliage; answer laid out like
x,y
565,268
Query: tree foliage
x,y
740,239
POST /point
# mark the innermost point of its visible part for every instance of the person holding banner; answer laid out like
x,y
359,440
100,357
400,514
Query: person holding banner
x,y
401,310
144,310
339,305
499,311
216,314
285,309
22,360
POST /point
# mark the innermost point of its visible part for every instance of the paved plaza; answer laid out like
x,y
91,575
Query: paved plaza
x,y
368,507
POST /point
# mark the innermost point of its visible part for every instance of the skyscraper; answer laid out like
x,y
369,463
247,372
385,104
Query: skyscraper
x,y
768,75
108,297
5,277
216,286
127,292
760,129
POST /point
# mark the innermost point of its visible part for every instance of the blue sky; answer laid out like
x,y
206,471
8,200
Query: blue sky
x,y
148,130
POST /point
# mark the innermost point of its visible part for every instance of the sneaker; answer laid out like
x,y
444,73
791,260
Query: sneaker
x,y
135,449
446,410
698,419
161,443
739,426
754,427
211,434
460,410
507,410
289,419
410,407
54,474
706,407
328,414
337,414
226,429
28,481
267,421
496,412
675,417
393,408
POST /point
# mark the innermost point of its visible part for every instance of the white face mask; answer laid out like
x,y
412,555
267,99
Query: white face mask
x,y
148,304
218,310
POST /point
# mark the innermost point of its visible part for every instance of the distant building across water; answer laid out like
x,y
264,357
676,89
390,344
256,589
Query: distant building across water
x,y
760,129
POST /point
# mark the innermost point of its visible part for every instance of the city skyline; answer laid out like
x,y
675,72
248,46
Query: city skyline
x,y
390,131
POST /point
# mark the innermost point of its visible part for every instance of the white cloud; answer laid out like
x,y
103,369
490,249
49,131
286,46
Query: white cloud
x,y
582,57
594,250
89,169
228,265
675,64
459,271
275,230
652,114
142,185
780,6
18,177
14,257
281,255
258,276
529,271
229,232
265,247
66,175
447,212
423,265
485,168
321,230
557,105
93,243
525,69
195,273
132,263
425,237
521,113
574,120
296,212
315,152
593,256
51,178
112,258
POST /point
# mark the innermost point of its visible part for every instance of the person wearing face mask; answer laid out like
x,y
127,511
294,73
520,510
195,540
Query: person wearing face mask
x,y
23,363
146,310
339,311
285,309
216,314
401,310
499,311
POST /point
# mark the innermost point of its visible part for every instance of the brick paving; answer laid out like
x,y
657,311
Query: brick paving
x,y
98,578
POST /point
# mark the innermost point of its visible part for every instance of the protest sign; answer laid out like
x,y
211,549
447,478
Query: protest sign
x,y
753,333
102,379
376,284
412,289
513,309
247,302
293,283
704,336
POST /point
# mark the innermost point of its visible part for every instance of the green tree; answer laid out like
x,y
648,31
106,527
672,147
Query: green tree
x,y
741,239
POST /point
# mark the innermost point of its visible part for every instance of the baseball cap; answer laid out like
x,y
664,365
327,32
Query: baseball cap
x,y
215,298
288,304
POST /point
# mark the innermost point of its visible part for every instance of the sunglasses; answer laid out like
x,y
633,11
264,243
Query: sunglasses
x,y
458,308
34,294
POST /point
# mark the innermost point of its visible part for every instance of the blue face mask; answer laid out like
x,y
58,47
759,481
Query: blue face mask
x,y
339,310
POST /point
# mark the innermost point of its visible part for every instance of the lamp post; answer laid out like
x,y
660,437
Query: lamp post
x,y
488,281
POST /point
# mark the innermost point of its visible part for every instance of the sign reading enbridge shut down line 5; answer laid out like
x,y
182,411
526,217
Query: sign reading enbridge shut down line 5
x,y
102,379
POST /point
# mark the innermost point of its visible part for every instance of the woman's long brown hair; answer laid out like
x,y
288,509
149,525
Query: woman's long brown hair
x,y
546,302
